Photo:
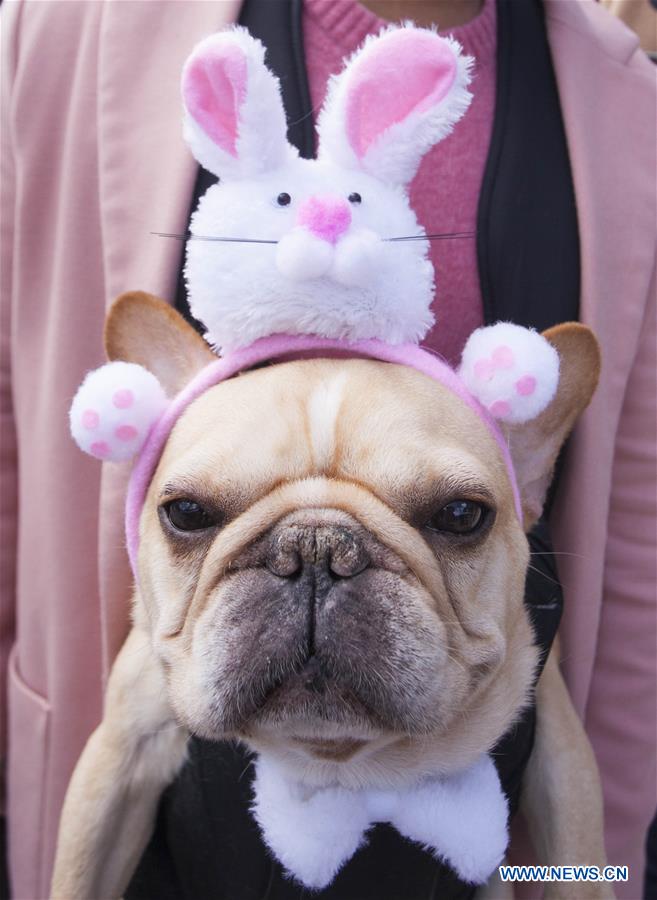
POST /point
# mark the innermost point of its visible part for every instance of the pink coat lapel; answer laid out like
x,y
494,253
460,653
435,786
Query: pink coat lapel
x,y
616,211
145,185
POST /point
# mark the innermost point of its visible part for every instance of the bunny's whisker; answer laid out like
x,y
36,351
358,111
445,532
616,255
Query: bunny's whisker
x,y
237,240
202,237
434,237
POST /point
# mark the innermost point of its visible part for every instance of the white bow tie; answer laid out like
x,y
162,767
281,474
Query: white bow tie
x,y
461,819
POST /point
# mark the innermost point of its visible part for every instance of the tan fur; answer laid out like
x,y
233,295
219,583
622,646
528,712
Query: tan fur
x,y
323,410
536,444
353,456
137,749
562,769
143,329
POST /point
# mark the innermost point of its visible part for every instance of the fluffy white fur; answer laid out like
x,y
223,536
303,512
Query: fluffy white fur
x,y
114,409
461,819
395,156
261,133
356,288
300,256
512,371
245,291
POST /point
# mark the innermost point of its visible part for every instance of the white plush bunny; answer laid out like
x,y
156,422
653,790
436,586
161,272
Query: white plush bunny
x,y
328,265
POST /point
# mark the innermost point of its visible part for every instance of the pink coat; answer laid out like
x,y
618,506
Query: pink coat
x,y
92,161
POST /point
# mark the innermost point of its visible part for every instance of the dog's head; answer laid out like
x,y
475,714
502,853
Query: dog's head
x,y
331,565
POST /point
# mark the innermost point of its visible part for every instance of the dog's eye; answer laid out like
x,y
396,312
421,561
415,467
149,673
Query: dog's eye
x,y
187,515
284,199
458,517
355,198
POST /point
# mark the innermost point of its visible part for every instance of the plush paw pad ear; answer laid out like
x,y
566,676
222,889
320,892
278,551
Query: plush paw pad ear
x,y
512,371
114,409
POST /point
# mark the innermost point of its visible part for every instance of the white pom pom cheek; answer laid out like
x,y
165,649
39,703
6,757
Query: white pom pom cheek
x,y
301,256
114,410
511,370
357,258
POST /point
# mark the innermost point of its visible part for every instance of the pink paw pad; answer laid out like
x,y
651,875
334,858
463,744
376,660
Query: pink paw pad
x,y
126,432
123,398
501,358
101,449
90,419
500,409
526,385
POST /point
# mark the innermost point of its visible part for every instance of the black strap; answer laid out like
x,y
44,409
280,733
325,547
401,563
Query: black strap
x,y
527,234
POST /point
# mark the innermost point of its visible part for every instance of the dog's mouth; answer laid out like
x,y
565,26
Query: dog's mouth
x,y
323,639
339,685
315,690
310,677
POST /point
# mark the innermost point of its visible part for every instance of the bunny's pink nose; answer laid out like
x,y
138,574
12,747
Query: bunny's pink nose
x,y
326,216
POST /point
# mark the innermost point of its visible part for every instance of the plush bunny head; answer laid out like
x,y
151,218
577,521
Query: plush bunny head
x,y
314,246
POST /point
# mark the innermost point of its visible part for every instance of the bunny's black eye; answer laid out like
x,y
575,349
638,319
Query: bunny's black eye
x,y
284,199
355,198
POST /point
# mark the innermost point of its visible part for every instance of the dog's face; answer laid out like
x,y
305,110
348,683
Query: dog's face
x,y
331,567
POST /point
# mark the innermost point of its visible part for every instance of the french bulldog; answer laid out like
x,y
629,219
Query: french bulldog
x,y
331,570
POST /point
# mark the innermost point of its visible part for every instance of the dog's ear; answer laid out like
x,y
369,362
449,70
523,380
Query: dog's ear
x,y
142,329
535,444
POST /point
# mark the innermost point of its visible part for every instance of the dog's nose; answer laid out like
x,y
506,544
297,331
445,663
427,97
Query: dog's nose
x,y
324,550
325,216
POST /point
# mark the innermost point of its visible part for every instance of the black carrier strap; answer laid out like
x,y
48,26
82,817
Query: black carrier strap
x,y
527,235
206,844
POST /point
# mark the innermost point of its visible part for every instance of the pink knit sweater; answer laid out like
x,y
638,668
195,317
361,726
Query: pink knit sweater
x,y
446,188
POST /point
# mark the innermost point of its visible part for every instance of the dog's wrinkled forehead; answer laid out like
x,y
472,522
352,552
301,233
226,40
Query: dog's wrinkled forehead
x,y
389,428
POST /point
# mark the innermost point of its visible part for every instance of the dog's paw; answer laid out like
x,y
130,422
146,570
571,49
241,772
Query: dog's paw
x,y
114,410
512,371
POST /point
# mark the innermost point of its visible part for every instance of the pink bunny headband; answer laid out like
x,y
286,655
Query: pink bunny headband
x,y
507,373
325,281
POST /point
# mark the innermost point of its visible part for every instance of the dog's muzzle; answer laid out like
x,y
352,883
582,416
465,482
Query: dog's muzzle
x,y
317,620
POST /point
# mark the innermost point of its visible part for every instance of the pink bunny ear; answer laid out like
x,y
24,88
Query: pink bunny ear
x,y
234,117
400,94
512,371
114,409
214,88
